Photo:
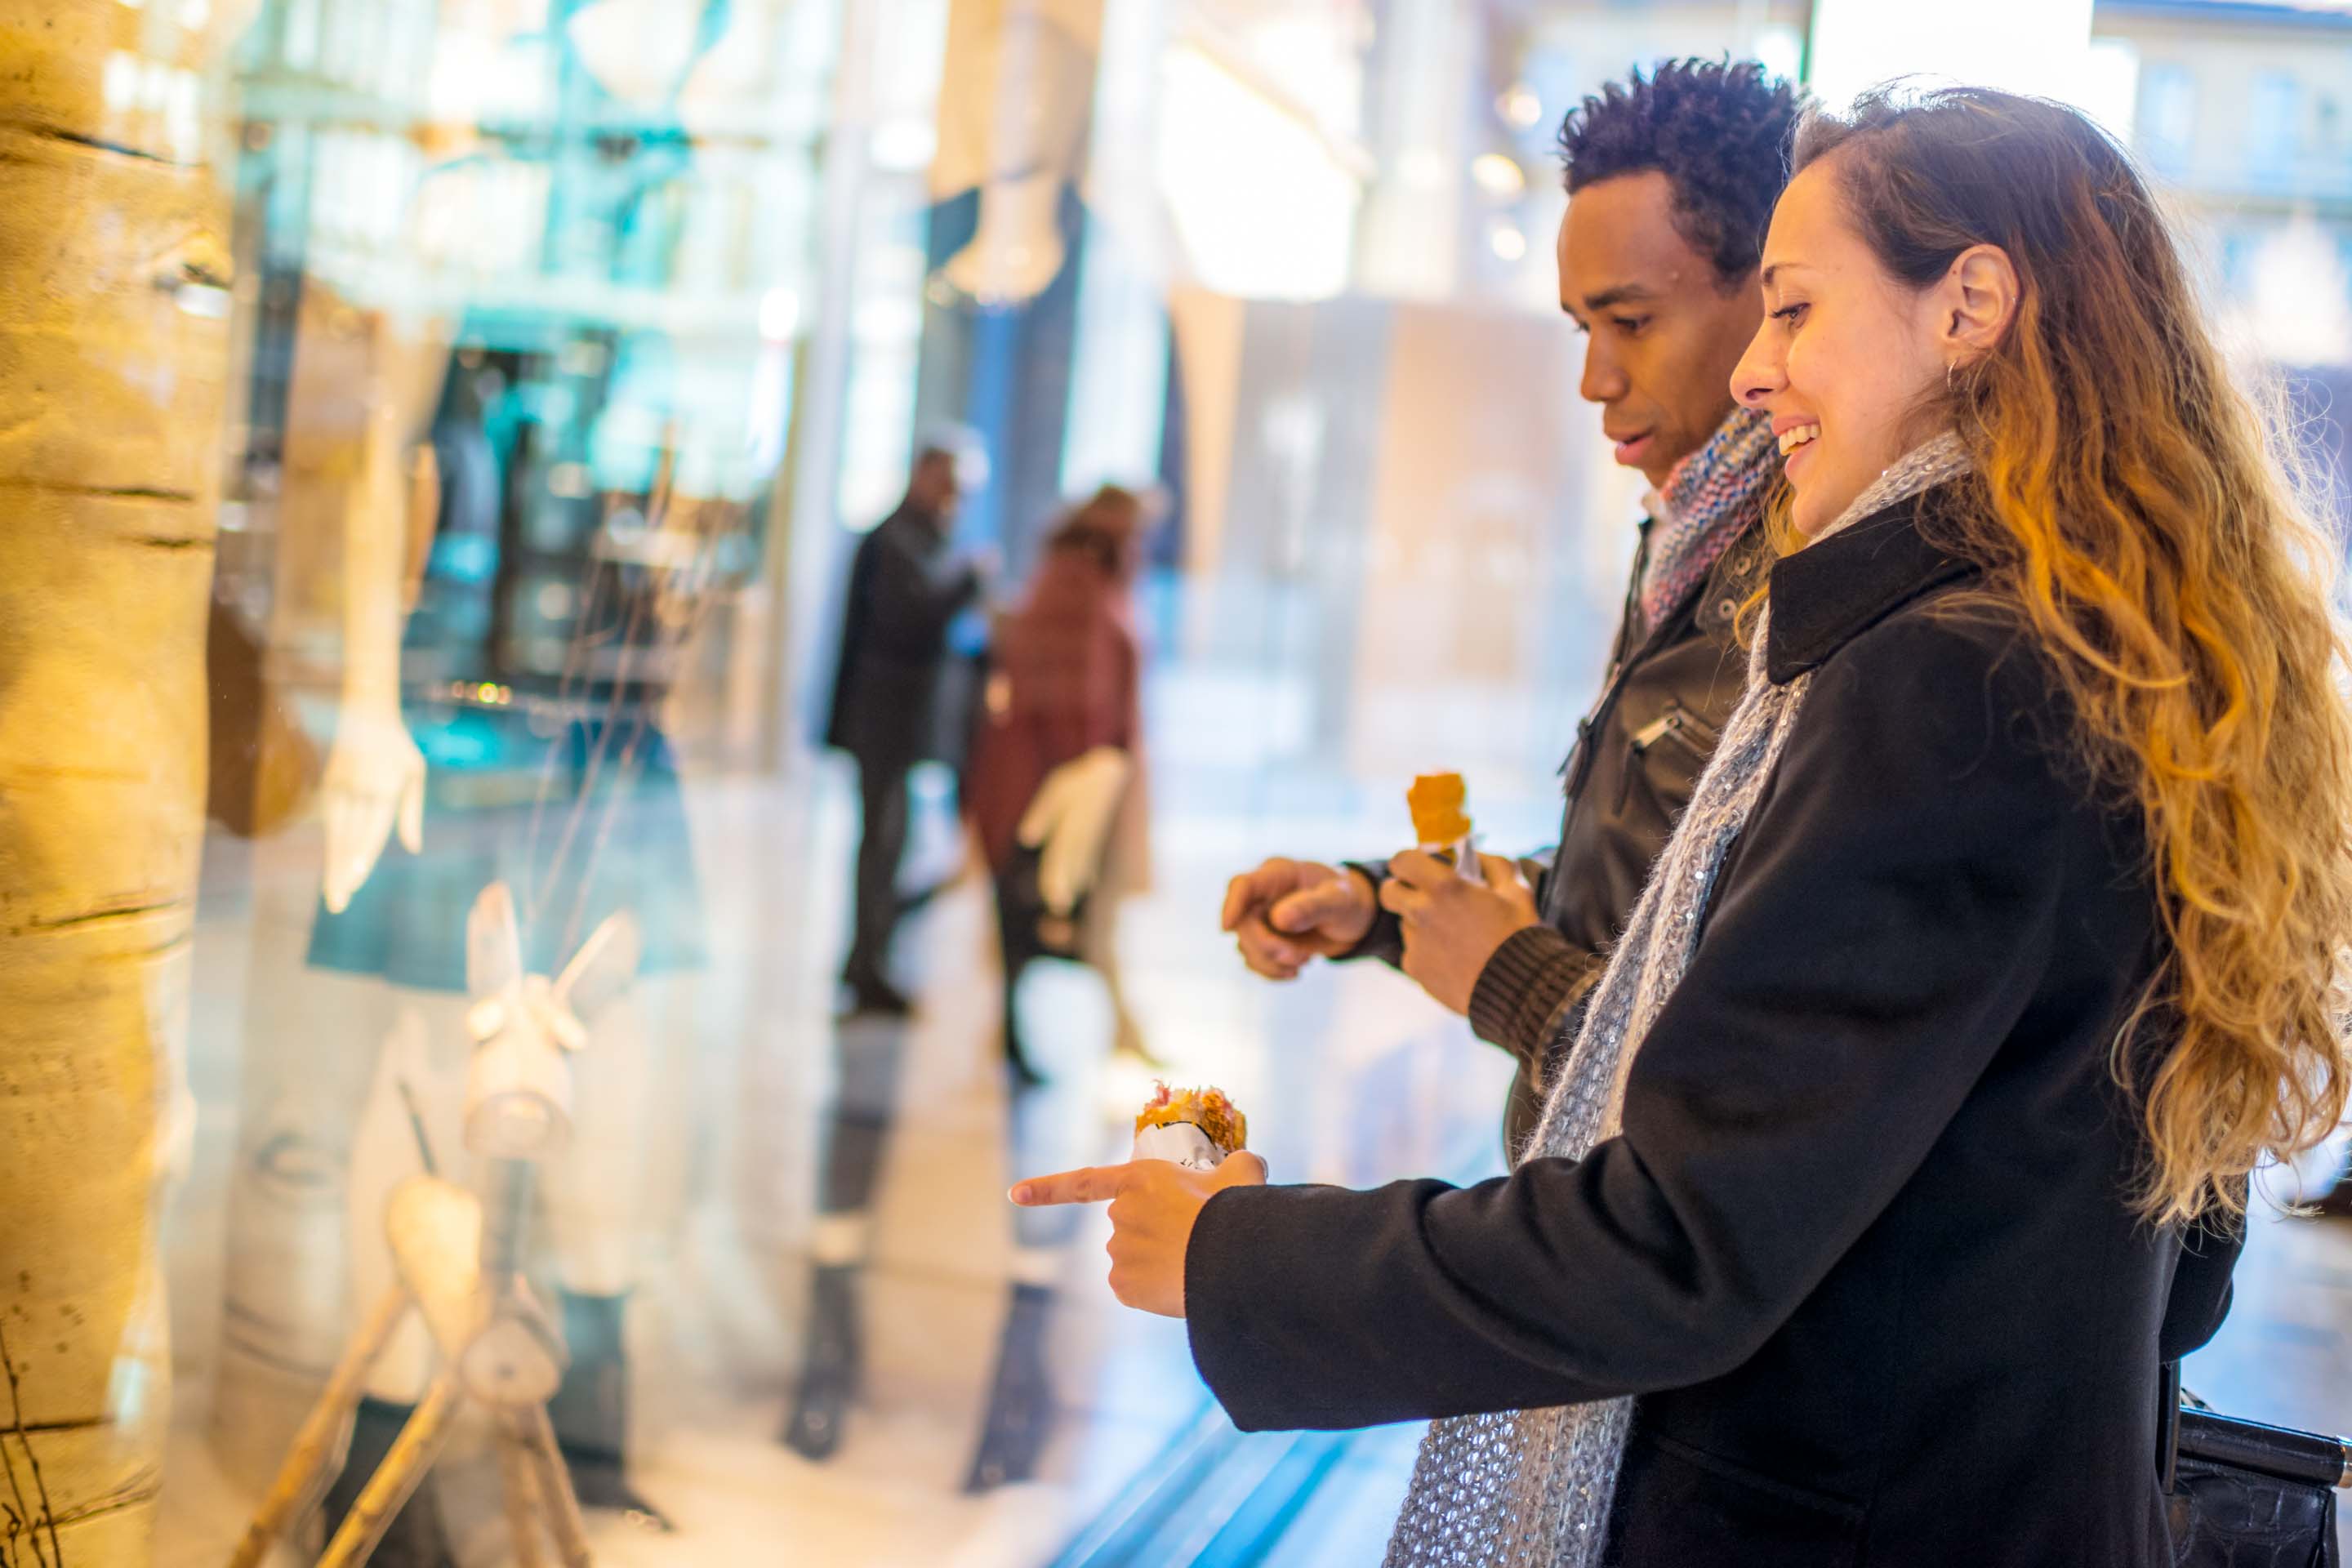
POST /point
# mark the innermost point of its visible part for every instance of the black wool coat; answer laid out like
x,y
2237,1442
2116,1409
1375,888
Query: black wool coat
x,y
1863,1253
907,586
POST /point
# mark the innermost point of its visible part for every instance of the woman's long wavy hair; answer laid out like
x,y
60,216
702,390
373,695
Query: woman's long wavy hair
x,y
2131,503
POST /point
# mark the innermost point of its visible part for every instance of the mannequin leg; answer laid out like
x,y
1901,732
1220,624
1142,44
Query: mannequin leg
x,y
595,1194
312,1040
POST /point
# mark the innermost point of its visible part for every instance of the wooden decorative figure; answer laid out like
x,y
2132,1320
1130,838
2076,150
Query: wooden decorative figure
x,y
458,1259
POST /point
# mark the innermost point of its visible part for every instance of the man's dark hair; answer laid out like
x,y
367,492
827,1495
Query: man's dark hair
x,y
1719,132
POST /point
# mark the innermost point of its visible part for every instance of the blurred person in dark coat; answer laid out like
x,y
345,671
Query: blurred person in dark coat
x,y
1059,748
907,586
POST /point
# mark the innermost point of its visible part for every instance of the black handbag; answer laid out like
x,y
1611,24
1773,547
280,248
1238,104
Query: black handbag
x,y
2239,1494
1026,914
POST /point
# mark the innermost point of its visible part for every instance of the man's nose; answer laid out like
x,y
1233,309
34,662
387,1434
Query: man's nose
x,y
1602,382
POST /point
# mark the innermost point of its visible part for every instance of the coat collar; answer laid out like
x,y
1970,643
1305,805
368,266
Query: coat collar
x,y
933,527
1828,594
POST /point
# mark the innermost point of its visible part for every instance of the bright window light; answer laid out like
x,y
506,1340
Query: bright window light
x,y
2022,45
1261,207
1497,175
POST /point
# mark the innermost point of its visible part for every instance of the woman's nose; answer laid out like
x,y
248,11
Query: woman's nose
x,y
1758,374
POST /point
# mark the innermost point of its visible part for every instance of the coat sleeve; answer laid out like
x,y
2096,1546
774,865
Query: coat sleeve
x,y
2202,1292
911,598
1881,932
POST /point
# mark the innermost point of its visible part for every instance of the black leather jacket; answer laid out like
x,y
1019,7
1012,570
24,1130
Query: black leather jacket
x,y
1637,755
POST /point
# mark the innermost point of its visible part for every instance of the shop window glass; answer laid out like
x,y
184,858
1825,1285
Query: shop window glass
x,y
507,394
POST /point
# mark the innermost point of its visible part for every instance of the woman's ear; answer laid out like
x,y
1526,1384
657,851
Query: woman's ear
x,y
1980,299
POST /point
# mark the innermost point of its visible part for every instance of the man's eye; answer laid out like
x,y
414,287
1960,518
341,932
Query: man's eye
x,y
1629,325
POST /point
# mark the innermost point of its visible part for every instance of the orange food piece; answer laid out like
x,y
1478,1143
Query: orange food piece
x,y
1206,1109
1437,802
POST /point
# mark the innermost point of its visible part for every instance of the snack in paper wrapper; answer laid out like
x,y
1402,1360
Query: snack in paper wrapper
x,y
1435,801
1194,1128
1438,822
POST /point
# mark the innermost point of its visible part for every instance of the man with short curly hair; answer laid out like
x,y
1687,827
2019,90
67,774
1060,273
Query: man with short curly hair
x,y
1672,177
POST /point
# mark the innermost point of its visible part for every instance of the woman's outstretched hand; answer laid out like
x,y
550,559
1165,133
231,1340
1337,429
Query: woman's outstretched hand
x,y
1154,1203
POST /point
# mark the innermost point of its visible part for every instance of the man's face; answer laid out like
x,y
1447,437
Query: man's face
x,y
937,484
1662,330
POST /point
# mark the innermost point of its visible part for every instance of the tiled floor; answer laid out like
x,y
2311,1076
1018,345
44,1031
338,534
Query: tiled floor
x,y
777,1135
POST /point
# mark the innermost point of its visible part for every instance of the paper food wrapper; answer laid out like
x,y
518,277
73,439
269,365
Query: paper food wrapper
x,y
1440,824
1192,1127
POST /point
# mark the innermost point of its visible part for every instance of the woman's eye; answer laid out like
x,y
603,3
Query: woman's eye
x,y
1788,313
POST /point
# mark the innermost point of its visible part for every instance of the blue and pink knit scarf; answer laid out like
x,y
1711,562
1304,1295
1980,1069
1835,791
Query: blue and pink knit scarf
x,y
1711,499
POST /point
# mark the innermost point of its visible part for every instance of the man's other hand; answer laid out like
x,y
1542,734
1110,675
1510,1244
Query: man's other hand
x,y
1287,912
1452,924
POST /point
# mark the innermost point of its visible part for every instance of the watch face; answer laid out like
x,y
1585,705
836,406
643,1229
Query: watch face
x,y
1180,1143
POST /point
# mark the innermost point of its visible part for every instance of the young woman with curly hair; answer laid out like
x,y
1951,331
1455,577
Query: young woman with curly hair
x,y
1905,1138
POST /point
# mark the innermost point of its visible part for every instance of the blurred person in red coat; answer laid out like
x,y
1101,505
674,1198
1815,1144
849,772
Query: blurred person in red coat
x,y
1055,790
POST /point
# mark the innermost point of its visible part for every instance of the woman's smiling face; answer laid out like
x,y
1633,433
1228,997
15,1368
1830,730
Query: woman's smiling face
x,y
1847,357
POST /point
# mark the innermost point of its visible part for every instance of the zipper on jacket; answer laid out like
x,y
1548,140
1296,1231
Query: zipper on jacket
x,y
1656,730
1670,722
1579,762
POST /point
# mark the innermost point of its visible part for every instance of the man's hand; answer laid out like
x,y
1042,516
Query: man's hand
x,y
1154,1203
1287,912
1452,925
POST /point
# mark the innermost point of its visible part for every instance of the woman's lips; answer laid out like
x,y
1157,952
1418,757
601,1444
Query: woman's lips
x,y
1795,444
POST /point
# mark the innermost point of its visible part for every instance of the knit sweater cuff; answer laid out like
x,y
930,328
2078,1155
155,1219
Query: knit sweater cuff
x,y
1524,989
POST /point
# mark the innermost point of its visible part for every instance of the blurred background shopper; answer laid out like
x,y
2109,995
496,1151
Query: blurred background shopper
x,y
1055,790
907,583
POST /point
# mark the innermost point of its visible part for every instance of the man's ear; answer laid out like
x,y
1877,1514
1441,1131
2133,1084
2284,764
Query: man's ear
x,y
1979,298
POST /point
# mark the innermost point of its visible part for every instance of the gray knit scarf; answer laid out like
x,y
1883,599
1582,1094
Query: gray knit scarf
x,y
1531,1488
